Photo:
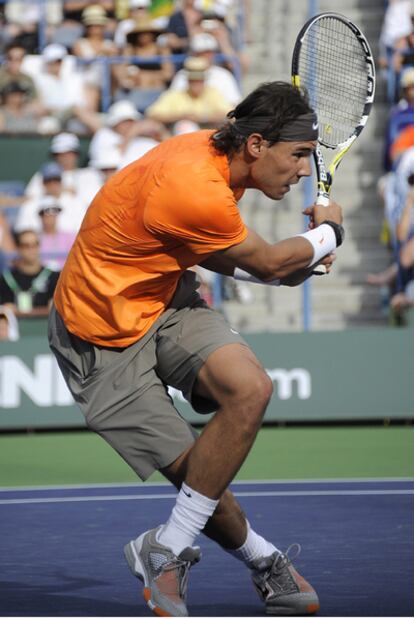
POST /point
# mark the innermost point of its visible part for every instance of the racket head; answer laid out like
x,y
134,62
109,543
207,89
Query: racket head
x,y
333,61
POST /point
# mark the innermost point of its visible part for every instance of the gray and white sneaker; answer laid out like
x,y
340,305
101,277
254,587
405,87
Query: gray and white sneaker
x,y
164,574
282,589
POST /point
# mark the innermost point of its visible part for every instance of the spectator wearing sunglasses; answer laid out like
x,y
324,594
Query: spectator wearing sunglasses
x,y
27,287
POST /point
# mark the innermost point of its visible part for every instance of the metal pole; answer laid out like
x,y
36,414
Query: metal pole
x,y
42,25
308,198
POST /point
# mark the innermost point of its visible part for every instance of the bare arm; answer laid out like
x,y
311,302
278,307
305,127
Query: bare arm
x,y
7,242
287,260
220,264
267,262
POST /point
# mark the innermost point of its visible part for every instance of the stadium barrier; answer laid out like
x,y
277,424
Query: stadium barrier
x,y
329,376
22,155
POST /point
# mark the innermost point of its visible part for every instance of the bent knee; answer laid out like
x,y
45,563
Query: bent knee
x,y
260,389
254,395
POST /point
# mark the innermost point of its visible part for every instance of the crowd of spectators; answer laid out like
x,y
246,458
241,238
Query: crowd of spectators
x,y
396,185
115,77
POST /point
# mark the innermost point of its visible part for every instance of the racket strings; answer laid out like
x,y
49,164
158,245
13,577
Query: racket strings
x,y
332,67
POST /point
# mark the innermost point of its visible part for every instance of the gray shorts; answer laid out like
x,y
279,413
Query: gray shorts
x,y
123,391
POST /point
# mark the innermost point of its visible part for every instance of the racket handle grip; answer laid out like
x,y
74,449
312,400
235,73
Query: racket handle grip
x,y
322,199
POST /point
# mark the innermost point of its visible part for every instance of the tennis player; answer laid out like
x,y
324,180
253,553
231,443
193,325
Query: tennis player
x,y
128,321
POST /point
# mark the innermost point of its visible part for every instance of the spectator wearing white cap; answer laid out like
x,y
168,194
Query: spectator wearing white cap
x,y
107,163
200,103
204,45
83,183
62,90
138,10
124,133
73,210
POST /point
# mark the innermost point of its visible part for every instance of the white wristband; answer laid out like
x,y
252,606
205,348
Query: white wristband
x,y
323,240
244,276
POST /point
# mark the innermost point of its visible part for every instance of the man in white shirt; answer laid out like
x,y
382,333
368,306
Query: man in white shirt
x,y
205,46
73,210
122,133
58,90
62,89
82,183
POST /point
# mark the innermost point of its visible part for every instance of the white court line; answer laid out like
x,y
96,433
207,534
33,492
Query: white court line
x,y
275,493
155,484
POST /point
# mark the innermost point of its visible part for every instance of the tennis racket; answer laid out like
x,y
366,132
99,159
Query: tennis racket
x,y
333,61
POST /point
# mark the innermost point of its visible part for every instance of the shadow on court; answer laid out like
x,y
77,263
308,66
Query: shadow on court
x,y
62,549
18,598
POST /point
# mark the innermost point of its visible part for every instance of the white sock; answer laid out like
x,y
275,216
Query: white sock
x,y
255,547
188,518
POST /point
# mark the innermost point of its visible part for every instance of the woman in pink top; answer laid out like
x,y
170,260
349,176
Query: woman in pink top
x,y
54,244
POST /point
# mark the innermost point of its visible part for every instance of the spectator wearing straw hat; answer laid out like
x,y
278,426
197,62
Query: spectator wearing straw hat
x,y
204,45
138,10
93,45
199,102
72,9
143,79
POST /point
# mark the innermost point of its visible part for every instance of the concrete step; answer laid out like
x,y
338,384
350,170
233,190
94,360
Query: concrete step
x,y
341,299
292,320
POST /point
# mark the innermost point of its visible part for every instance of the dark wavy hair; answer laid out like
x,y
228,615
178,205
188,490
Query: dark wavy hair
x,y
280,101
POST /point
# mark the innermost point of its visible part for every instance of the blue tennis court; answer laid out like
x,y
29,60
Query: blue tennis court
x,y
62,548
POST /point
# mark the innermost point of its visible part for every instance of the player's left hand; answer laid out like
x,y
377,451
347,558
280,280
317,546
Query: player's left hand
x,y
327,262
298,277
